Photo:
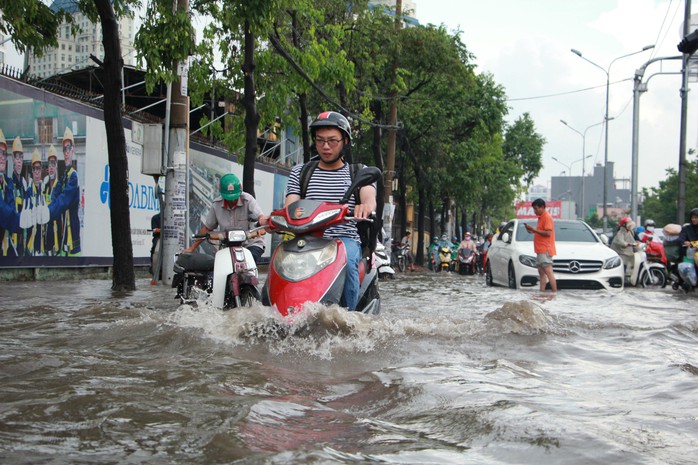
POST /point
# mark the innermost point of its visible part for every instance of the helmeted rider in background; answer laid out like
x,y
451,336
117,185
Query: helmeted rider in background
x,y
234,209
624,243
329,182
689,239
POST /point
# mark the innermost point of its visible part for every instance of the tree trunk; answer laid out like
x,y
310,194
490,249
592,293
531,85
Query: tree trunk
x,y
123,274
249,101
302,98
420,227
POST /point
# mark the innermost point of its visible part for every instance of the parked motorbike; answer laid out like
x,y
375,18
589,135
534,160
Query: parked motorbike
x,y
381,260
311,268
402,257
467,261
231,277
647,273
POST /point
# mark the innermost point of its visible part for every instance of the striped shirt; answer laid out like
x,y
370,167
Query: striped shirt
x,y
327,186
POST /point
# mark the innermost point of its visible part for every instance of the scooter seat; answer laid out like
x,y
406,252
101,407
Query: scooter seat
x,y
195,261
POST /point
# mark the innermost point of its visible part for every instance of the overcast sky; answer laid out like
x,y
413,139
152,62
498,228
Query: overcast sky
x,y
526,46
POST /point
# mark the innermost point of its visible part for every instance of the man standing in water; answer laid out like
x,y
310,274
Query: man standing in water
x,y
544,244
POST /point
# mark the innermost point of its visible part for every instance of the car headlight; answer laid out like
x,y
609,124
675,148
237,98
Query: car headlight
x,y
527,260
613,262
297,266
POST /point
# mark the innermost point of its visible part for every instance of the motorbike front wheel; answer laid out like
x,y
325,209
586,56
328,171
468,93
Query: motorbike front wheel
x,y
248,296
653,277
401,263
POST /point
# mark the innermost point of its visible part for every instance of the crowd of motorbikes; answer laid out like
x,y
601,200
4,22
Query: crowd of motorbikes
x,y
308,267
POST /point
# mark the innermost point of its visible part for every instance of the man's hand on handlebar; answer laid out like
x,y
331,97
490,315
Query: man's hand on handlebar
x,y
362,211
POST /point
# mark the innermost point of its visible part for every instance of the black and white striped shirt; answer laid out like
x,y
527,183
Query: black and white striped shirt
x,y
327,186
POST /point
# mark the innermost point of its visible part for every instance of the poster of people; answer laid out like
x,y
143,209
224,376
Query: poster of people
x,y
54,183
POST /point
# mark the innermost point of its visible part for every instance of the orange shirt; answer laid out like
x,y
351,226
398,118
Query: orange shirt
x,y
542,244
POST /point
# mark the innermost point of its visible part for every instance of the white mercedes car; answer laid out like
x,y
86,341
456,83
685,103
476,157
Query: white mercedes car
x,y
582,260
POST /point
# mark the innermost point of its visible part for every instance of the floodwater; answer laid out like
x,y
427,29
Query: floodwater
x,y
450,372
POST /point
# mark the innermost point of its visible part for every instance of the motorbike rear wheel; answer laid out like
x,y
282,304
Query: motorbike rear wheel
x,y
654,278
401,263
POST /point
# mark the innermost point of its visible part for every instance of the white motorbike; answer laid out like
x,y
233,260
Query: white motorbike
x,y
646,273
381,262
231,277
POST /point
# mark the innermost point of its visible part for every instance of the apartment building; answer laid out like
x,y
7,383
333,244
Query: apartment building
x,y
73,51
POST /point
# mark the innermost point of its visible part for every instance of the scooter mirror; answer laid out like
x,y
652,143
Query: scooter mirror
x,y
366,175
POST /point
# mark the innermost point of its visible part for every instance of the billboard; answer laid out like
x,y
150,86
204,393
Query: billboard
x,y
525,209
55,183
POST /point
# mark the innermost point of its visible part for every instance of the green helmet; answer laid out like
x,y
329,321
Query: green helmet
x,y
230,188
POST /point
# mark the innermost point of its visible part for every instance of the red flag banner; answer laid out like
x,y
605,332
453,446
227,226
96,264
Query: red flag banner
x,y
525,209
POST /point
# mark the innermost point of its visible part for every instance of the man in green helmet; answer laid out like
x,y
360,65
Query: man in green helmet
x,y
234,209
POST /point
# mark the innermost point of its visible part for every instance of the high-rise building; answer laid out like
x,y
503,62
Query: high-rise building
x,y
73,51
3,41
409,9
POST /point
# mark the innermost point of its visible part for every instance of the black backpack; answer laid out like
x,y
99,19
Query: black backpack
x,y
368,230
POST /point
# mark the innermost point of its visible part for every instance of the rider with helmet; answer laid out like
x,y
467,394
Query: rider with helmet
x,y
328,183
624,243
689,239
234,209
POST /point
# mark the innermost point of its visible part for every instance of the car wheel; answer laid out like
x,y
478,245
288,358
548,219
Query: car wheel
x,y
654,277
488,275
512,277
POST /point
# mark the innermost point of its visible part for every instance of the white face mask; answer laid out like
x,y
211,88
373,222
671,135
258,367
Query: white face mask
x,y
650,228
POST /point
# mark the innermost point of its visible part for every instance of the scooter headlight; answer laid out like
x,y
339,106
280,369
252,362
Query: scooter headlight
x,y
297,266
613,262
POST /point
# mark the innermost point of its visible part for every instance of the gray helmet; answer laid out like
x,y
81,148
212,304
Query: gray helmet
x,y
649,223
694,212
331,119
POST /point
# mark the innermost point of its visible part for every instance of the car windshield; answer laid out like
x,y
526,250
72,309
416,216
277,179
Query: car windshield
x,y
565,231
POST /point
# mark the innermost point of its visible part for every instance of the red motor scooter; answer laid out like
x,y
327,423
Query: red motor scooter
x,y
311,268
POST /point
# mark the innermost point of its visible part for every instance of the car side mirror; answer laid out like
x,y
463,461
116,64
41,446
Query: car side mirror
x,y
604,238
506,238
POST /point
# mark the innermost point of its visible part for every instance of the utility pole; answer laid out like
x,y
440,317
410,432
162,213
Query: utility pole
x,y
174,218
392,136
681,200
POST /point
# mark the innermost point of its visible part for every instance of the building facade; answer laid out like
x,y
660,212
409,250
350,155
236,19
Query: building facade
x,y
73,51
570,188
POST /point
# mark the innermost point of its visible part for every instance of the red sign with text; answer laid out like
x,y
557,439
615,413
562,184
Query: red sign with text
x,y
525,209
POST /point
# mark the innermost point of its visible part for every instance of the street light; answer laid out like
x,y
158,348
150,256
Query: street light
x,y
638,88
605,156
584,150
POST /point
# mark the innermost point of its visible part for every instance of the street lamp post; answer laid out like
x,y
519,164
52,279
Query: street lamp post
x,y
607,71
584,141
638,88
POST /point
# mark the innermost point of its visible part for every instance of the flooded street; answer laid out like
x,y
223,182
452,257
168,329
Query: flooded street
x,y
450,372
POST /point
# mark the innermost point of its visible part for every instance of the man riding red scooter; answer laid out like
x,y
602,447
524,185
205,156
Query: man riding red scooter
x,y
317,207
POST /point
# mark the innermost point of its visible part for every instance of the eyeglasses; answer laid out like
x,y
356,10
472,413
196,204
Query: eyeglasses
x,y
36,168
332,143
67,148
52,163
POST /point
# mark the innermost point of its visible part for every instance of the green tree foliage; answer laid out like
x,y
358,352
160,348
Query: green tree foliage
x,y
660,202
523,147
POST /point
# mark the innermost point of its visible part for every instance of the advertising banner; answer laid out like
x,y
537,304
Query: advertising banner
x,y
525,209
55,184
